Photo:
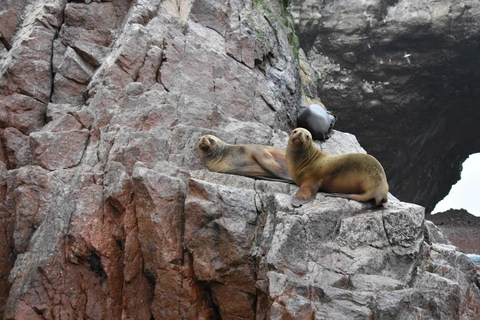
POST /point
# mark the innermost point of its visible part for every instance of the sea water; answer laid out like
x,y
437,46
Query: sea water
x,y
475,258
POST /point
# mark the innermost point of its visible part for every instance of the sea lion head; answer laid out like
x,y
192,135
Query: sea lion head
x,y
333,119
209,143
300,138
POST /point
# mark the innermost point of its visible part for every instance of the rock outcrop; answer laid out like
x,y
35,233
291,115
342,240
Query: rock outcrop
x,y
461,228
403,77
108,213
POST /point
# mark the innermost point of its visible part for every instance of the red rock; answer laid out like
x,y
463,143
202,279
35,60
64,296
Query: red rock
x,y
158,207
211,13
227,232
31,70
234,304
21,112
149,71
94,21
131,148
55,111
3,182
9,20
58,150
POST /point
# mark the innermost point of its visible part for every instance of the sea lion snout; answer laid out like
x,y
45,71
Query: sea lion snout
x,y
300,136
205,143
203,146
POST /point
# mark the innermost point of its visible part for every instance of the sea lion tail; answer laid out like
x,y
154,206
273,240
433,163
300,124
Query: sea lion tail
x,y
365,197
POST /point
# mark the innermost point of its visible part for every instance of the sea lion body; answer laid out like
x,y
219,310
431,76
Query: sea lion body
x,y
355,176
256,161
317,120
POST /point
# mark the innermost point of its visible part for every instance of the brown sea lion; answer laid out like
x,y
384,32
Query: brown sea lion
x,y
252,160
355,176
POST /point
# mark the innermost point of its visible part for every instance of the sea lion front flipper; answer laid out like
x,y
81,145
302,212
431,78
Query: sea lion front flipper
x,y
306,193
298,203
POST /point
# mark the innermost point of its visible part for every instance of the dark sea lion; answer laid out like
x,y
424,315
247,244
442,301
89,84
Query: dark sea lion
x,y
355,176
317,120
252,160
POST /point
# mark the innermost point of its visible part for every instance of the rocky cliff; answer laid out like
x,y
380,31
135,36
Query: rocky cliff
x,y
461,228
107,212
403,76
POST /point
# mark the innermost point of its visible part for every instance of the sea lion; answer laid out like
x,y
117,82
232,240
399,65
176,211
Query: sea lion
x,y
252,160
355,176
317,120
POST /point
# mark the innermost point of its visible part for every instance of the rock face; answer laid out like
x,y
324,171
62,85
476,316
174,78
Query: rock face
x,y
106,211
332,259
403,77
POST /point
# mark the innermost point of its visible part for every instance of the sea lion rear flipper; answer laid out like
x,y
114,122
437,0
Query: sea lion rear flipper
x,y
274,179
273,164
366,197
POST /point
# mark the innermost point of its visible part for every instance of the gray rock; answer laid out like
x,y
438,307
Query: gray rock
x,y
16,145
332,258
75,68
22,112
92,53
56,111
134,88
349,57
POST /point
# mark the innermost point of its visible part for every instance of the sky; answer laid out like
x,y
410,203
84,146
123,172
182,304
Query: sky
x,y
465,193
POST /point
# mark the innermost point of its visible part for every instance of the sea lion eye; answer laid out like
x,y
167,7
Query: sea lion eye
x,y
294,131
308,138
211,140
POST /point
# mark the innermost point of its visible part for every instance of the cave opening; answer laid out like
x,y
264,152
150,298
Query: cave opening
x,y
441,128
464,194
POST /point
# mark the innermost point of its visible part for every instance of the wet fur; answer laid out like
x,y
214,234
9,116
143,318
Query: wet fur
x,y
317,120
256,161
355,176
